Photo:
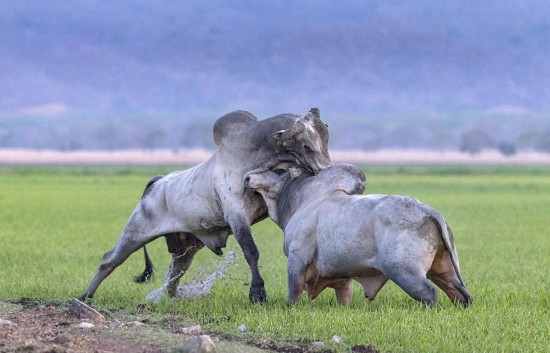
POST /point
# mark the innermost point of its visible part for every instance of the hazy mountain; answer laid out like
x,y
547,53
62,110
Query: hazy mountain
x,y
118,74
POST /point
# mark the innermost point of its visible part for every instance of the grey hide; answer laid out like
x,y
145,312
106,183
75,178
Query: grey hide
x,y
201,206
334,234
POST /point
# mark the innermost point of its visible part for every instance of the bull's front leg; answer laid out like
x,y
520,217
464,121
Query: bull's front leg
x,y
300,256
240,226
296,282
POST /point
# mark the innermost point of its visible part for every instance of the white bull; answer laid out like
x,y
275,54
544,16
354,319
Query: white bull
x,y
334,235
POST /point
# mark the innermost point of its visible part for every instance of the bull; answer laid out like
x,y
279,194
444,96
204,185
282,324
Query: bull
x,y
203,205
333,234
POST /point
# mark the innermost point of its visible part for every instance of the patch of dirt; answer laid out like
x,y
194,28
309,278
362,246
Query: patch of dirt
x,y
31,326
298,347
363,349
304,347
49,329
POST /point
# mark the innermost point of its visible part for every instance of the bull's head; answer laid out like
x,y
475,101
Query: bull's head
x,y
307,141
270,182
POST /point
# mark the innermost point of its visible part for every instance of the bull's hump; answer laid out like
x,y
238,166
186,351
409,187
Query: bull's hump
x,y
232,124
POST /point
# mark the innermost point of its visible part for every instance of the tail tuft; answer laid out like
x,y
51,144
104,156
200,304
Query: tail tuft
x,y
149,269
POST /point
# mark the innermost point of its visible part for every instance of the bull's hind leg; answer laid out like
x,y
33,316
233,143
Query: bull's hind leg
x,y
137,233
414,282
111,260
183,247
443,274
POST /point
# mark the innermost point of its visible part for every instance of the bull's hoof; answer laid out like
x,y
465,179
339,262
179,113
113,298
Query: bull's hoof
x,y
85,298
466,302
258,295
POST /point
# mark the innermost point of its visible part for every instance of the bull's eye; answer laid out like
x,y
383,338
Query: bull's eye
x,y
307,148
279,171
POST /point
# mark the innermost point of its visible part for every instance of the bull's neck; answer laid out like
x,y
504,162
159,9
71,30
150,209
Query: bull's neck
x,y
290,198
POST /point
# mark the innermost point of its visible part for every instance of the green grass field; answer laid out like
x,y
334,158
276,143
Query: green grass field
x,y
57,223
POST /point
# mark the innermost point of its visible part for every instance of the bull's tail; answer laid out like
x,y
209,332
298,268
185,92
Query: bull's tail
x,y
438,217
149,269
150,184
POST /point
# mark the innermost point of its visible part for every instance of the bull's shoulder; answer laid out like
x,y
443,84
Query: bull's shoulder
x,y
231,124
303,223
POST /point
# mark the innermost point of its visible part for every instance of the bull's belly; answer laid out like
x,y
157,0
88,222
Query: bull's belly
x,y
345,268
354,256
205,224
317,279
317,285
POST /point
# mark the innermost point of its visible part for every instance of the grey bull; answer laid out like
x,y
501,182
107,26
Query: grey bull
x,y
201,206
334,235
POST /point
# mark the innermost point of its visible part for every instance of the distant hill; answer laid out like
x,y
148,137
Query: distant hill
x,y
138,73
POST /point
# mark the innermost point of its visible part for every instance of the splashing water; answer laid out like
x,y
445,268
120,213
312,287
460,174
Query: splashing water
x,y
195,288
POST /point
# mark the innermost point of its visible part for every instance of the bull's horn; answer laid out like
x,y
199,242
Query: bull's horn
x,y
313,114
288,134
277,135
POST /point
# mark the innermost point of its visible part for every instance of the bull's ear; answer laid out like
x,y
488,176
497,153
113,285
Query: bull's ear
x,y
278,135
295,172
